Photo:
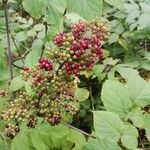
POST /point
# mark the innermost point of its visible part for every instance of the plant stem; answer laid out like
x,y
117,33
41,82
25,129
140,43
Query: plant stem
x,y
22,56
18,66
16,47
43,48
5,4
83,132
141,143
42,52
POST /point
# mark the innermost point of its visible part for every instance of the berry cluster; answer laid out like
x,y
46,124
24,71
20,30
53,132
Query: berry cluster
x,y
32,121
100,28
52,83
16,110
25,73
53,118
80,49
60,38
79,29
51,94
11,130
46,64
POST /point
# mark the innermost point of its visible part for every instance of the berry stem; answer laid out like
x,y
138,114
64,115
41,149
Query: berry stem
x,y
81,131
17,66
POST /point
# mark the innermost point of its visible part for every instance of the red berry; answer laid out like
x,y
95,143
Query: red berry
x,y
79,29
60,38
46,64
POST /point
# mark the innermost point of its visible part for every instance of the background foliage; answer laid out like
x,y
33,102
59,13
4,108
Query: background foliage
x,y
114,97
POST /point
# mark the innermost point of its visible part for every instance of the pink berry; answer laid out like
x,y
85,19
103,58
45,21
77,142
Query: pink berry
x,y
46,64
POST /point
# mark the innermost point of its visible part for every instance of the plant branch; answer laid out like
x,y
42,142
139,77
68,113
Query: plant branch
x,y
16,47
14,64
141,143
83,132
22,56
43,48
42,52
17,66
5,5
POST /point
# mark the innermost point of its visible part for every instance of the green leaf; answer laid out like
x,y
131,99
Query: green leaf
x,y
129,137
41,35
147,125
31,33
145,65
144,20
145,7
77,138
113,38
58,5
97,72
30,21
55,11
2,101
116,3
139,90
133,12
101,144
137,117
32,58
81,94
123,43
20,142
127,72
54,15
37,141
118,29
4,73
28,88
137,86
16,84
38,27
88,9
20,36
74,17
35,7
115,97
37,45
4,144
133,26
107,125
42,138
54,29
57,134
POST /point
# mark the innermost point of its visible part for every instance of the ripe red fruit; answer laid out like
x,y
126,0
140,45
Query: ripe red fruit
x,y
60,38
79,29
46,64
